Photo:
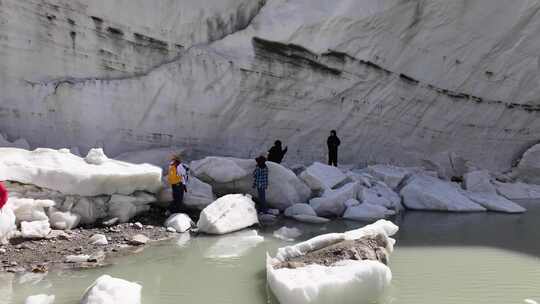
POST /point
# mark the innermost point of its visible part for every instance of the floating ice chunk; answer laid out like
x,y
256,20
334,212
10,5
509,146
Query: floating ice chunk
x,y
218,169
227,214
347,280
63,220
109,290
35,230
72,175
311,219
530,301
367,212
234,245
495,202
287,234
298,209
479,181
40,299
332,203
180,222
7,224
322,177
428,193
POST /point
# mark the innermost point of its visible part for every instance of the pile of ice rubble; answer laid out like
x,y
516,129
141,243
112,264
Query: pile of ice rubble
x,y
54,189
361,278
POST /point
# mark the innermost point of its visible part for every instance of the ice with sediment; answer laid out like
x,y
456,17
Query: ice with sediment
x,y
229,213
234,245
321,177
70,174
109,290
423,192
284,187
346,281
40,299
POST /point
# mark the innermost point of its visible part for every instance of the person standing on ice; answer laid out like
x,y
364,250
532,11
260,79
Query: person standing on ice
x,y
3,195
260,182
276,153
178,178
333,143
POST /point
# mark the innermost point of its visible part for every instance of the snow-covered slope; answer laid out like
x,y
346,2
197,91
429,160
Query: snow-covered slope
x,y
400,80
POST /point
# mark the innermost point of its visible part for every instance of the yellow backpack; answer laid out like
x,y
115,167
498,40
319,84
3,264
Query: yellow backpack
x,y
174,178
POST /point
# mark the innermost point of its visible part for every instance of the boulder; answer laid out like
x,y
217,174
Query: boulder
x,y
7,224
227,214
29,210
35,230
390,175
528,169
63,220
345,281
139,240
40,299
423,192
495,202
109,290
380,194
284,187
321,177
518,191
179,222
479,181
99,239
332,203
298,209
234,245
287,234
367,212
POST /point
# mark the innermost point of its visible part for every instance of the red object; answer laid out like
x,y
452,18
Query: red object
x,y
3,195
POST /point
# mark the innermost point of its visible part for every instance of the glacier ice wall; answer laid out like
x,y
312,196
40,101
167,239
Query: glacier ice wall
x,y
400,80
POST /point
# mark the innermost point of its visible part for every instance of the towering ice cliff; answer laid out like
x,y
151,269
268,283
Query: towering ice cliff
x,y
400,80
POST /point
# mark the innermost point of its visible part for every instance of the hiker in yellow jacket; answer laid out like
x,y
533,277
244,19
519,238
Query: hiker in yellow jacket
x,y
178,179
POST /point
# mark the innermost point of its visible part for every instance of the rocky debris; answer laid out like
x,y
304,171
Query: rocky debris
x,y
138,240
321,177
233,245
366,248
107,289
423,192
99,239
227,214
40,299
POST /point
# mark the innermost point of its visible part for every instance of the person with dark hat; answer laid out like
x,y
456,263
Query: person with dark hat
x,y
260,182
333,143
276,153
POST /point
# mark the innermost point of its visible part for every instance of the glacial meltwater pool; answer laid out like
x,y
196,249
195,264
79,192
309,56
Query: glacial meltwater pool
x,y
439,258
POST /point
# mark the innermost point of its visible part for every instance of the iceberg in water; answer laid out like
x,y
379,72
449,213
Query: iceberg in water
x,y
352,280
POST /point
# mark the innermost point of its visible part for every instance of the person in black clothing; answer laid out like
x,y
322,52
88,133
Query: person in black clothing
x,y
276,153
333,143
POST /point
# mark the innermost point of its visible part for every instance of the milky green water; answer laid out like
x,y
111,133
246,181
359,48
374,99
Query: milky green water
x,y
439,258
